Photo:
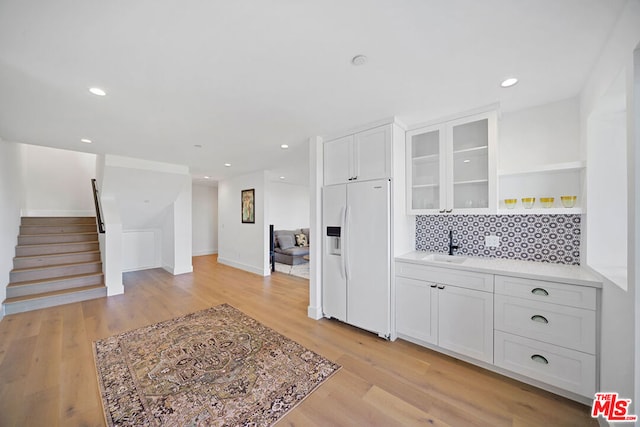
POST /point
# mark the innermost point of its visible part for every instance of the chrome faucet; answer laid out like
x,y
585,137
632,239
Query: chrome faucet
x,y
452,247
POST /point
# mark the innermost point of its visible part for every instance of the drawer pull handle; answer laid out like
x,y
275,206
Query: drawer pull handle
x,y
440,287
540,359
540,291
539,319
434,285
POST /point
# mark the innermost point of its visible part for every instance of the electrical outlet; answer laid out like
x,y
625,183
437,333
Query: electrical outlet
x,y
491,241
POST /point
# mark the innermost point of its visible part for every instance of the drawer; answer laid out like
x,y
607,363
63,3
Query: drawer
x,y
569,327
567,369
446,276
541,290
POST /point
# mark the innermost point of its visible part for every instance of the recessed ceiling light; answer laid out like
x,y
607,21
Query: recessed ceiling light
x,y
206,177
282,177
284,146
228,165
359,60
86,141
467,161
97,91
509,82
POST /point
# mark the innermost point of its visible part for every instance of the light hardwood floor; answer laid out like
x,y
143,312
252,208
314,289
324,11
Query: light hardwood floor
x,y
47,375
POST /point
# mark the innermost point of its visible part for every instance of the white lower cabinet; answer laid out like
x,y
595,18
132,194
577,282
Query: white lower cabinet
x,y
558,366
542,330
471,333
430,311
418,317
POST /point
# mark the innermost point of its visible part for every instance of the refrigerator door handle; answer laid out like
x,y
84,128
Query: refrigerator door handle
x,y
345,242
343,268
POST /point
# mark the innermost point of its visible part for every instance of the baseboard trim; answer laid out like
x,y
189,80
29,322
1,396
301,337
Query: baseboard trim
x,y
205,252
174,271
314,312
250,268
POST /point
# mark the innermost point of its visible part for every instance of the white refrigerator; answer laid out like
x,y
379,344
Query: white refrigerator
x,y
356,267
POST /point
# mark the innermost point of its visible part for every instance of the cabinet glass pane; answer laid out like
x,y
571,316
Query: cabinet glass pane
x,y
471,165
425,144
471,135
427,197
425,170
471,195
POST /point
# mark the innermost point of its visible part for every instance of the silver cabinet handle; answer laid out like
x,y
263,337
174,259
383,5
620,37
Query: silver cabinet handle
x,y
539,319
540,291
440,287
434,285
441,211
449,210
540,359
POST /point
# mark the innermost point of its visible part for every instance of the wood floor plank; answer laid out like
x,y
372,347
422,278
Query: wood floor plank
x,y
47,372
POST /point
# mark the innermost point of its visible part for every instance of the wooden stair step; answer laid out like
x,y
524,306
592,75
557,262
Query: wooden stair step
x,y
57,229
55,220
36,273
41,239
53,284
51,260
56,248
49,299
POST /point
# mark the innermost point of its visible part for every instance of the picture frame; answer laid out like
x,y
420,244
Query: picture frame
x,y
248,206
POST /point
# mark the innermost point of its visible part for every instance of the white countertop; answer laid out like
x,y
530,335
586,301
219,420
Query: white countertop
x,y
509,267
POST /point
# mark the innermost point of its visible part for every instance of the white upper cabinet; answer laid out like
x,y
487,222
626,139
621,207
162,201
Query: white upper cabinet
x,y
359,157
451,167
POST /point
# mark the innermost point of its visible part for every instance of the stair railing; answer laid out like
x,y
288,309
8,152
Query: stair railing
x,y
97,203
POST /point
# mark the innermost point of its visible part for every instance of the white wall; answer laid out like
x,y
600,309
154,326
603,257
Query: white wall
x,y
618,317
57,182
243,246
287,206
10,203
540,135
177,232
205,219
153,200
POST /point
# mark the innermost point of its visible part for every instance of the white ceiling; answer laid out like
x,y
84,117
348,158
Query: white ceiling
x,y
242,77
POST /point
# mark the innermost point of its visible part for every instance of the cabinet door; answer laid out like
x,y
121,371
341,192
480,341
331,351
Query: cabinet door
x,y
471,170
338,159
417,310
465,322
426,172
372,154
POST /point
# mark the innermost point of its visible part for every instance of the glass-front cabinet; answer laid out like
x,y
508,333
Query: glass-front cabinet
x,y
451,167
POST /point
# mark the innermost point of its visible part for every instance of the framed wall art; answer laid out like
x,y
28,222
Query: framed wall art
x,y
248,206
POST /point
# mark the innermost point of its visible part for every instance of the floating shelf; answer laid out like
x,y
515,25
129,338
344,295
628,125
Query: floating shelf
x,y
540,211
556,167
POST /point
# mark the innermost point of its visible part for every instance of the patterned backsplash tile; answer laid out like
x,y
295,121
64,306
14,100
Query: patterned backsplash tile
x,y
542,238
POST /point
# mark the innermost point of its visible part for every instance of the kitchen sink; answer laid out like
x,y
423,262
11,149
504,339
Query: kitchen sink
x,y
445,258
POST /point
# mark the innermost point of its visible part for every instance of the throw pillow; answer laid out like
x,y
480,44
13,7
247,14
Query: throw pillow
x,y
301,240
285,241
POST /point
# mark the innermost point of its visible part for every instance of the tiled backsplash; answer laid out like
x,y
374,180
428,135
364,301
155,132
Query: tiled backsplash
x,y
543,238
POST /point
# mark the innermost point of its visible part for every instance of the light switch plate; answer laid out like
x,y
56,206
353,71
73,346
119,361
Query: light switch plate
x,y
491,241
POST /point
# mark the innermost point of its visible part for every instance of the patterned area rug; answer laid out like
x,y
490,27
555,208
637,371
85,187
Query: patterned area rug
x,y
216,367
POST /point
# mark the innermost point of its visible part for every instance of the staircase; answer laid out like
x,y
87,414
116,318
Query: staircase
x,y
57,262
